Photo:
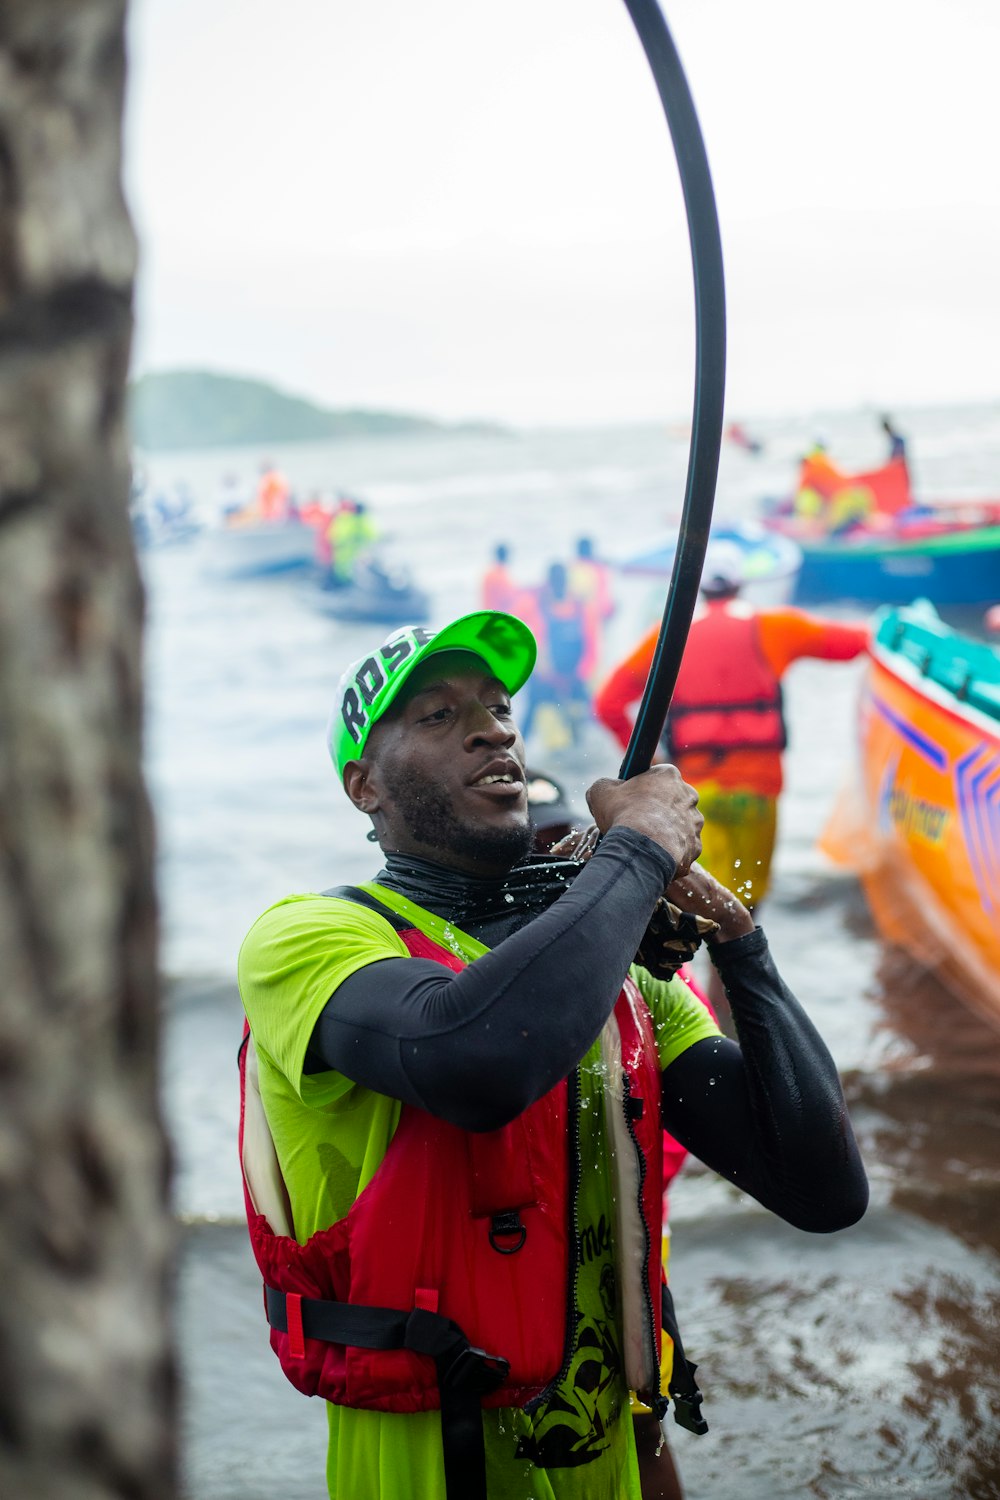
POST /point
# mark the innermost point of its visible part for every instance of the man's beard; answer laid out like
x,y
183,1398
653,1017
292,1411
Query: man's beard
x,y
431,818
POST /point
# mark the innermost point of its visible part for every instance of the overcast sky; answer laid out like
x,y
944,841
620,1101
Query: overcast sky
x,y
471,207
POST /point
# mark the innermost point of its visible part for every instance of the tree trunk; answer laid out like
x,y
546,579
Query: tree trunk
x,y
87,1403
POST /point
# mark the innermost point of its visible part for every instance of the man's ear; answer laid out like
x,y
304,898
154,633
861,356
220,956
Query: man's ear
x,y
357,785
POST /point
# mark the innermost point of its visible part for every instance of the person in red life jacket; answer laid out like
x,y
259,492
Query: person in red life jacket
x,y
318,513
726,727
455,1079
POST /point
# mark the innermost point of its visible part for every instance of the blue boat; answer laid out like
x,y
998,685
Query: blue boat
x,y
377,592
259,550
960,566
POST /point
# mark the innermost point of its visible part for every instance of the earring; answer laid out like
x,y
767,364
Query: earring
x,y
371,836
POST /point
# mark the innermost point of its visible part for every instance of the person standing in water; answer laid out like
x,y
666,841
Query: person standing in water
x,y
560,624
897,443
726,728
589,580
498,589
456,1078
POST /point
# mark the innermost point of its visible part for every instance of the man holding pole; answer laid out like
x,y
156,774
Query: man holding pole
x,y
457,1078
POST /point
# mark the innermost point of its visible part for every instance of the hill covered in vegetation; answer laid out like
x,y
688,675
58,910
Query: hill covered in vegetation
x,y
185,409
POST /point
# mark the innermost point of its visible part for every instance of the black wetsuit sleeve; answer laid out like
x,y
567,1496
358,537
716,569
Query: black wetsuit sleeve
x,y
768,1113
478,1047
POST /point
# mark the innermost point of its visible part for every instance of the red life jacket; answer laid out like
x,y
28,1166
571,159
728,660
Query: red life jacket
x,y
468,1234
727,695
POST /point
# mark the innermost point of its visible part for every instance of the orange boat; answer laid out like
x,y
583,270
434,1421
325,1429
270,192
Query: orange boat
x,y
922,826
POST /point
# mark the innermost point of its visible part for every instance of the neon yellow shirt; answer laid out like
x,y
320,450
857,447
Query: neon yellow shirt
x,y
331,1135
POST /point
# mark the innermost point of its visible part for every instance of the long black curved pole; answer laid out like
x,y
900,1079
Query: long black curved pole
x,y
710,381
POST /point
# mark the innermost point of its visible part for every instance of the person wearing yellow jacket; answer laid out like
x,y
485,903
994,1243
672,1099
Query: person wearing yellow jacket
x,y
351,532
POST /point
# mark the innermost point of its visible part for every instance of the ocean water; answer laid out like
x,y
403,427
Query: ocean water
x,y
858,1364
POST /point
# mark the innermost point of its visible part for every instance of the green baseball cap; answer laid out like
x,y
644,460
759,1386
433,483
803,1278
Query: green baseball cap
x,y
373,682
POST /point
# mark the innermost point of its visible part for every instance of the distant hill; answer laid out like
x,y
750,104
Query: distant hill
x,y
178,409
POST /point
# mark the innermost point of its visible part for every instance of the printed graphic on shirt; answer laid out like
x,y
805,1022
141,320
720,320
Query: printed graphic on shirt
x,y
573,1426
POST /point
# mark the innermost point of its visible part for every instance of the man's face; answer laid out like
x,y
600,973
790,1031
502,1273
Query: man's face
x,y
445,769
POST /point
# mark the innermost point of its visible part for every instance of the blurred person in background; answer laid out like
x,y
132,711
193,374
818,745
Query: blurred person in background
x,y
498,589
552,816
589,580
828,497
726,728
560,624
897,443
350,534
274,494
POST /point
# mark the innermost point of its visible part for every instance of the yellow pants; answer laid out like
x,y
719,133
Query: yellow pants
x,y
737,841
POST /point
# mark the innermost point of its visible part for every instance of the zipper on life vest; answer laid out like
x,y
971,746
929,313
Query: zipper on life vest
x,y
573,1231
628,1108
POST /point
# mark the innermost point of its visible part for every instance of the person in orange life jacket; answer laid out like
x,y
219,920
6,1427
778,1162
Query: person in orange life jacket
x,y
456,1078
559,621
726,729
498,589
819,484
274,494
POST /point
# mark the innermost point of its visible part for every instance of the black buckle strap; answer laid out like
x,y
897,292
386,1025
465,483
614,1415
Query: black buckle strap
x,y
465,1374
684,1392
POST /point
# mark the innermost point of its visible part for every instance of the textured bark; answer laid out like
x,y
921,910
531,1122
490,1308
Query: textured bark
x,y
87,1398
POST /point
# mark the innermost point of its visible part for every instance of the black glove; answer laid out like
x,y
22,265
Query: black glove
x,y
673,936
